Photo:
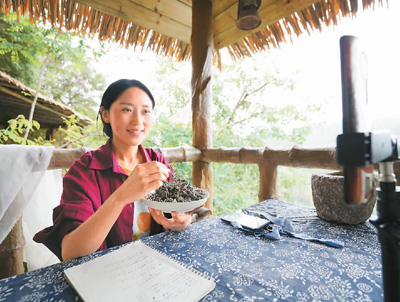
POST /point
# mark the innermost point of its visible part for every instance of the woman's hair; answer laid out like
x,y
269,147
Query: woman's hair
x,y
113,92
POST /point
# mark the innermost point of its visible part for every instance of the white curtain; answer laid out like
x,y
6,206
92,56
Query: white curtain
x,y
21,172
37,215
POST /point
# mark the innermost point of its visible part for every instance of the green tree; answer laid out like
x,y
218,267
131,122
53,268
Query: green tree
x,y
245,95
253,107
21,48
166,133
244,114
69,76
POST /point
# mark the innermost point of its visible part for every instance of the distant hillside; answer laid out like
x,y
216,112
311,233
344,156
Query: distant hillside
x,y
325,136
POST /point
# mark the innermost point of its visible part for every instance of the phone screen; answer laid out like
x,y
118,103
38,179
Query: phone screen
x,y
247,221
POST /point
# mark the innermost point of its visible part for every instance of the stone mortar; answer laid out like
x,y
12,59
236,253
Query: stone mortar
x,y
328,198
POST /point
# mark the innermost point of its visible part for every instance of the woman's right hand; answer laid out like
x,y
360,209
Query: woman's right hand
x,y
87,238
143,179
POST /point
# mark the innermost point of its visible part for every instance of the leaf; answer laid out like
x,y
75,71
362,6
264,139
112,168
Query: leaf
x,y
36,125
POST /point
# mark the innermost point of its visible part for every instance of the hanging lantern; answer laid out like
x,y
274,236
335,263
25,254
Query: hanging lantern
x,y
248,17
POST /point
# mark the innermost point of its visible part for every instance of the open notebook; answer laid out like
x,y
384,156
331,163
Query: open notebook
x,y
136,272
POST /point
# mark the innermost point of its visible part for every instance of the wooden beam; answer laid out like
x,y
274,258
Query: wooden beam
x,y
320,158
202,58
181,154
316,158
271,11
221,5
175,10
297,157
159,16
64,158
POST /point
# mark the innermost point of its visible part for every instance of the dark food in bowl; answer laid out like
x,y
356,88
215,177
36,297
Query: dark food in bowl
x,y
178,190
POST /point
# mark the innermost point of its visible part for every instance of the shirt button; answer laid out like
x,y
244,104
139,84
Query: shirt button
x,y
130,205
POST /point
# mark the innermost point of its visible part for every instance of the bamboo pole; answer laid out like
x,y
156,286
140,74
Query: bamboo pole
x,y
202,57
11,252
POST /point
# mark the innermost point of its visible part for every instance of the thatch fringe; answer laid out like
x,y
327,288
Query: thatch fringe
x,y
325,12
77,17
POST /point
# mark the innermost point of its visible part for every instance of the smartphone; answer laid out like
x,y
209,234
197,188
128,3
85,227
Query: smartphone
x,y
245,220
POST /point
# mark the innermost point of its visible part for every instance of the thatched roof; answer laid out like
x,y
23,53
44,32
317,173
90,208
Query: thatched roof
x,y
16,98
164,26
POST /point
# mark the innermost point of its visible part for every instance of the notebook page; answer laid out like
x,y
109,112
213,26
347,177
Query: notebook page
x,y
140,273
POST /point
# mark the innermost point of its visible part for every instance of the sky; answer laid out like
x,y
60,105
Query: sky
x,y
378,32
317,56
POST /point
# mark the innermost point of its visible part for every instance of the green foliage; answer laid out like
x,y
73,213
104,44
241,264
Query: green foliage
x,y
295,184
71,131
166,134
69,77
235,186
173,90
254,105
14,133
93,137
246,113
254,108
76,136
21,48
257,106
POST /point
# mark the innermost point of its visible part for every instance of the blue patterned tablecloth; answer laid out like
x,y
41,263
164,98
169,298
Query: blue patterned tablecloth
x,y
246,268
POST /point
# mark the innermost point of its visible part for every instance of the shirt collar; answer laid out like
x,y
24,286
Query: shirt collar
x,y
104,158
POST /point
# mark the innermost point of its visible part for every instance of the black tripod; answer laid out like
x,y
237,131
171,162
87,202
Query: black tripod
x,y
358,149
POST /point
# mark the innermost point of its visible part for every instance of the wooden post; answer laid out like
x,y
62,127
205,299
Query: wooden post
x,y
11,252
268,181
268,176
202,51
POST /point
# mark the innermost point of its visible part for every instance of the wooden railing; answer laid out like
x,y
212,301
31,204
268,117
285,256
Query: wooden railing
x,y
267,160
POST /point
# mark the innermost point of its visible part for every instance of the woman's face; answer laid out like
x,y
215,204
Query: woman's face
x,y
131,117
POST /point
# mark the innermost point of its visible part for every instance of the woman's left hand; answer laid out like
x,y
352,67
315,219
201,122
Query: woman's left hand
x,y
177,222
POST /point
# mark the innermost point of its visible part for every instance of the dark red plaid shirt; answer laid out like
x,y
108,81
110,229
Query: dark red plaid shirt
x,y
86,186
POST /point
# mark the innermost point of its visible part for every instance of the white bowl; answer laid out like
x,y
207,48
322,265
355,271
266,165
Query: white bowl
x,y
168,207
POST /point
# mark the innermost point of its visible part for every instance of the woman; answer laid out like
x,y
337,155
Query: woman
x,y
100,206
